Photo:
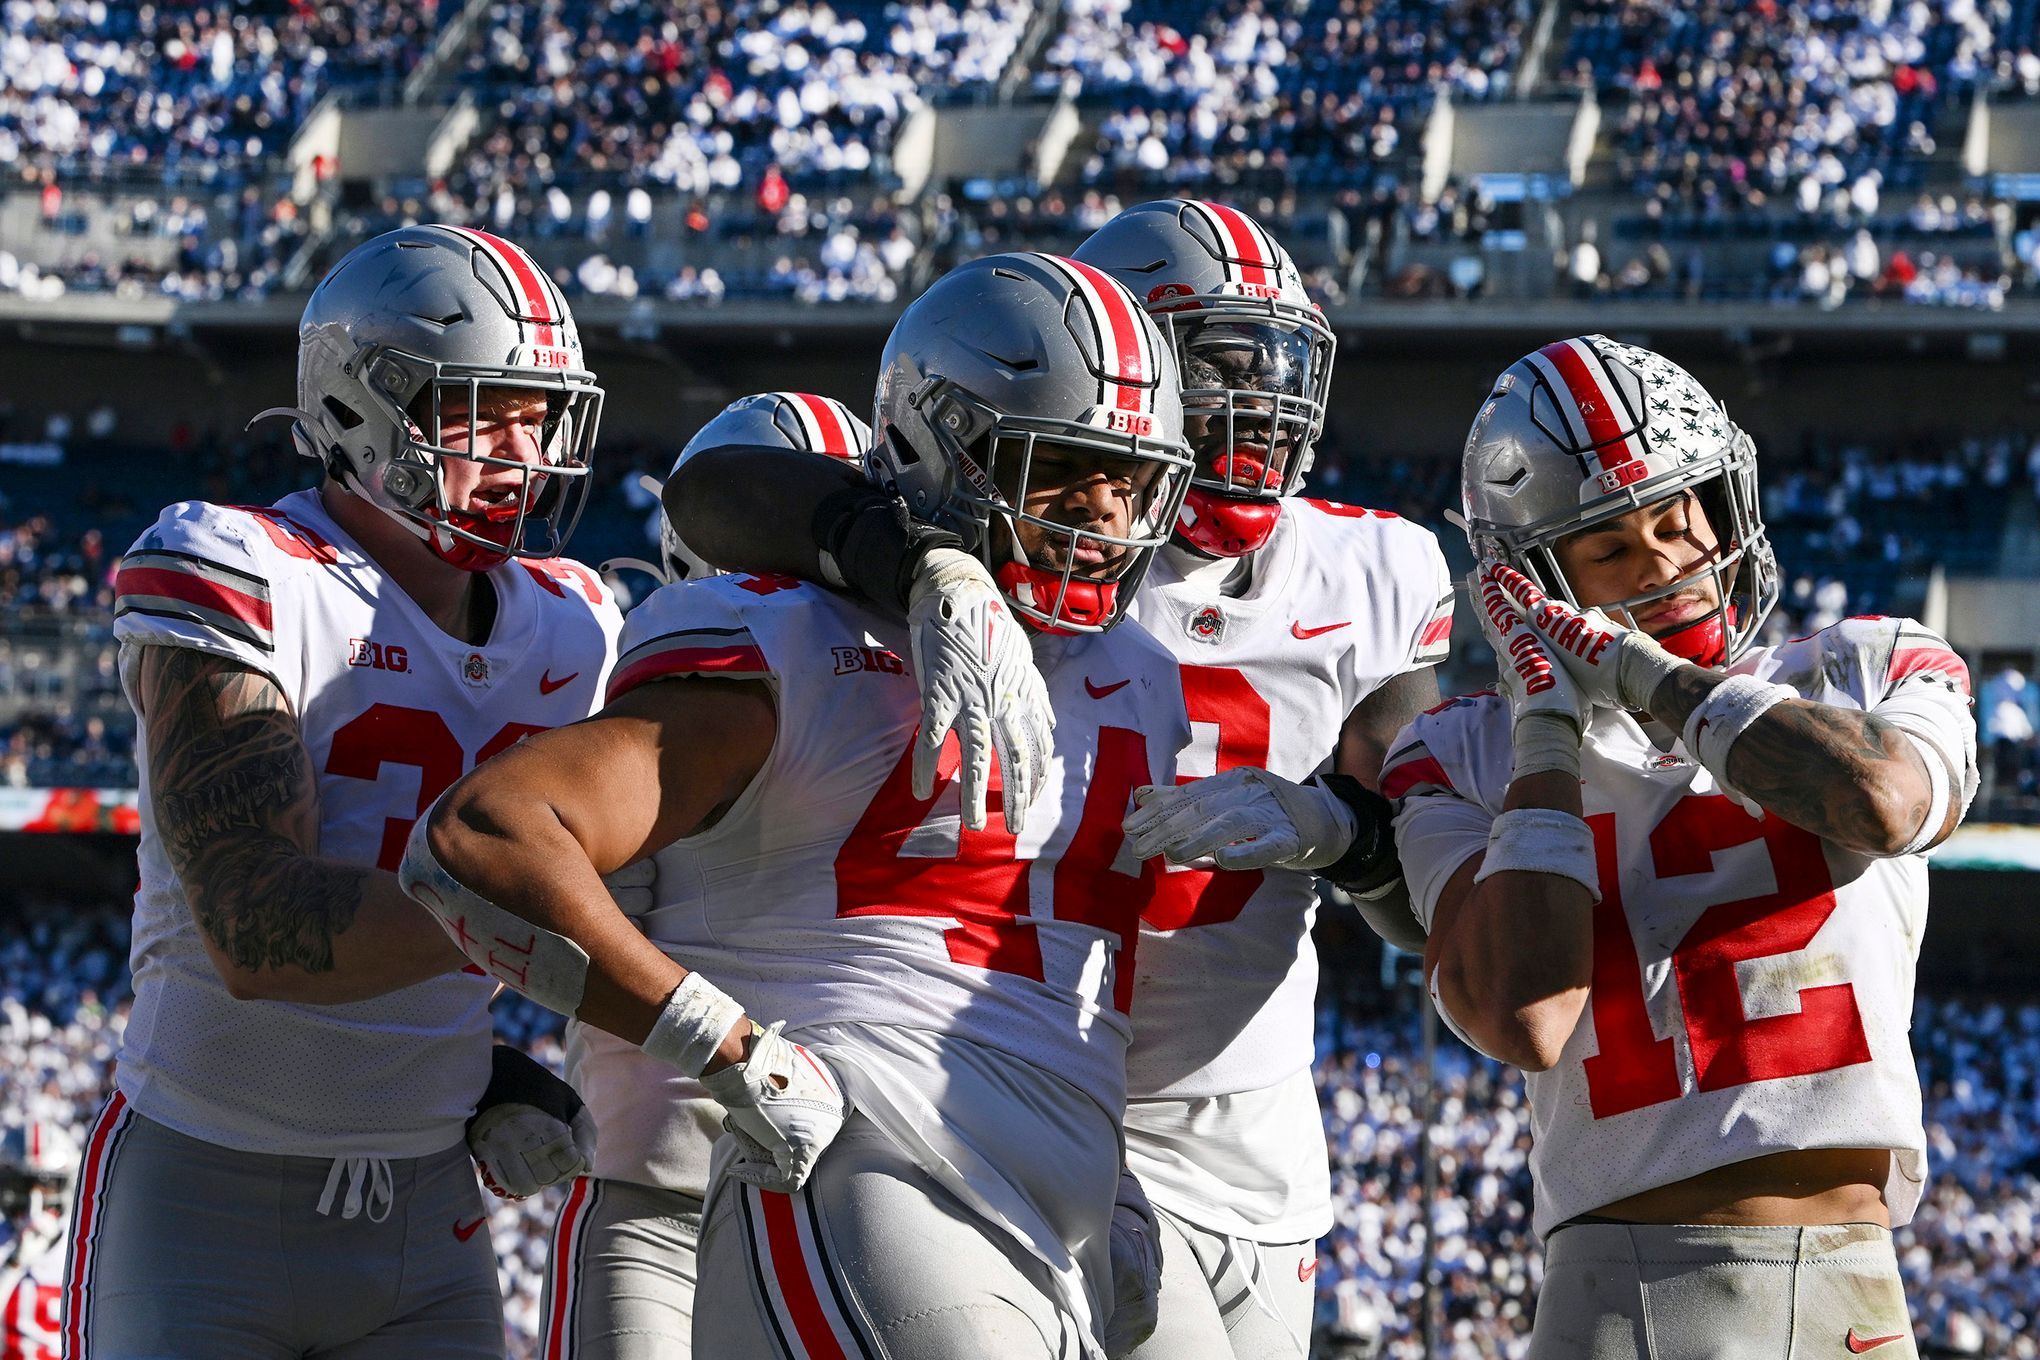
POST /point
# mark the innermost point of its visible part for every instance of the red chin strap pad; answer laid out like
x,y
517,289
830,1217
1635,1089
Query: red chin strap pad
x,y
1704,642
1088,604
459,552
1225,527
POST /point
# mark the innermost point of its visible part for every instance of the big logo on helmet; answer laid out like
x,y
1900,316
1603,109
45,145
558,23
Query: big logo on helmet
x,y
1615,478
1130,422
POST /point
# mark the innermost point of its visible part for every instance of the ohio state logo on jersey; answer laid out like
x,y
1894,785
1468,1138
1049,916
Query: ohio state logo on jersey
x,y
475,670
1207,624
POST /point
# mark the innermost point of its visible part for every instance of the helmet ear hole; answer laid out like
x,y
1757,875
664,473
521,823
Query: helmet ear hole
x,y
341,411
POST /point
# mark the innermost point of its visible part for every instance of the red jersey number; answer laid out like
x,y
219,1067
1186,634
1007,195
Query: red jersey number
x,y
982,884
1634,1067
1224,698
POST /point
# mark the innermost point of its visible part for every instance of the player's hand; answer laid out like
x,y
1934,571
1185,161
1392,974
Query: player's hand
x,y
1136,1243
784,1107
977,677
631,888
1549,710
530,1129
1242,818
1616,667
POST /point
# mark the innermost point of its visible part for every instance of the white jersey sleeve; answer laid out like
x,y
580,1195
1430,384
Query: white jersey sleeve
x,y
1910,677
1446,774
684,630
220,579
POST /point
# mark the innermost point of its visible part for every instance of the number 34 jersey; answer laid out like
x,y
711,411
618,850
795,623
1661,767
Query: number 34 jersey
x,y
391,710
1752,983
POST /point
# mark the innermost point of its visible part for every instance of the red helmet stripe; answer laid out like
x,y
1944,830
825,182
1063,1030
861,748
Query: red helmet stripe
x,y
828,431
524,274
1120,333
1255,261
1596,406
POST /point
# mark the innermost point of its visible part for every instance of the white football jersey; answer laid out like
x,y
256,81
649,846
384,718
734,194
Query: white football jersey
x,y
32,1293
828,895
392,711
1342,600
1752,984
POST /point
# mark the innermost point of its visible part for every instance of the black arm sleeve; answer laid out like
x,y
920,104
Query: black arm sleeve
x,y
756,508
1370,862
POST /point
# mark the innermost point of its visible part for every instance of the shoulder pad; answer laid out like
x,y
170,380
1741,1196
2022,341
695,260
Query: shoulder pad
x,y
689,628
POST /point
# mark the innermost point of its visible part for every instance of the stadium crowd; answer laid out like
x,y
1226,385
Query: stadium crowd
x,y
1969,1257
738,150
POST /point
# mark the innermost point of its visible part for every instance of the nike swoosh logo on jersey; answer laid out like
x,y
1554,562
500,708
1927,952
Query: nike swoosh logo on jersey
x,y
1303,634
464,1231
1096,693
1859,1344
546,684
1306,1269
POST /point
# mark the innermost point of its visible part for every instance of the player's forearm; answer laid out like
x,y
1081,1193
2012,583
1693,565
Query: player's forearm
x,y
753,509
1520,961
512,850
1847,776
285,926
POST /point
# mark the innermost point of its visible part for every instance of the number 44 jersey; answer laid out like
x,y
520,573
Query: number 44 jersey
x,y
1752,984
391,710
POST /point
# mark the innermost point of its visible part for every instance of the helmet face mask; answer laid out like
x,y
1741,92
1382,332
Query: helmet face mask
x,y
1587,431
428,320
1019,375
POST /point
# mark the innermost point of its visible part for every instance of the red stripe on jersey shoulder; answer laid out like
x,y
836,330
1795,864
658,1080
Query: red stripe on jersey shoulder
x,y
1349,511
732,662
1437,630
1416,768
194,589
1928,660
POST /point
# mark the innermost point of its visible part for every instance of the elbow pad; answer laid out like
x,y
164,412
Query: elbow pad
x,y
871,546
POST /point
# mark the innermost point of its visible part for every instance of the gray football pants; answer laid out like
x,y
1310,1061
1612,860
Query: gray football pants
x,y
1649,1292
185,1250
1218,1293
619,1283
873,1260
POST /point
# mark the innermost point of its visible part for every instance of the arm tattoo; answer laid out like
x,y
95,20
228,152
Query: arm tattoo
x,y
238,809
1800,755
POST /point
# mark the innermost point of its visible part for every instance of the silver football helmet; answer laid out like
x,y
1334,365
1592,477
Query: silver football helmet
x,y
38,1165
428,321
1023,358
789,420
1255,352
1585,430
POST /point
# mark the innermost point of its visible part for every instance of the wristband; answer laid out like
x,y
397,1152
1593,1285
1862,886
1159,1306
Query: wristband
x,y
871,546
1368,867
1546,741
697,1018
1714,727
1542,841
1938,795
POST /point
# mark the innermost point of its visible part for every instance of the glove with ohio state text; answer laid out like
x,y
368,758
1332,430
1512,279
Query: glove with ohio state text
x,y
1136,1243
1242,818
1617,667
530,1129
1549,709
783,1106
975,666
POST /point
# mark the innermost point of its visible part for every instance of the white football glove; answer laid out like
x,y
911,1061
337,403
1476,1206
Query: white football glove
x,y
1549,709
976,671
1242,818
784,1107
631,887
1136,1243
530,1129
1617,667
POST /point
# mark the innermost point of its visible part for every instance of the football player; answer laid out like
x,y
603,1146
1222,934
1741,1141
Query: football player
x,y
1304,633
620,1277
923,1156
281,1169
38,1169
1679,878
